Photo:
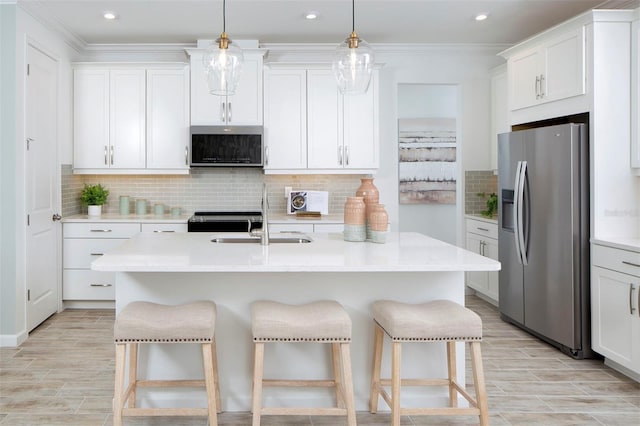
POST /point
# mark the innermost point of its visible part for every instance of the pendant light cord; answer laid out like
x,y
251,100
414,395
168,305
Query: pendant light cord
x,y
353,15
224,16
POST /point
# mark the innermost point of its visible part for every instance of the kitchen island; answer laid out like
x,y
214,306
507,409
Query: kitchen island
x,y
181,267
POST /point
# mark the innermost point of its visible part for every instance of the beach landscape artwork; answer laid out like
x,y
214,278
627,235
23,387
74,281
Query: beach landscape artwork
x,y
427,160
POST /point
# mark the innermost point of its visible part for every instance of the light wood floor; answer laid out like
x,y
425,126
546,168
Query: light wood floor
x,y
43,382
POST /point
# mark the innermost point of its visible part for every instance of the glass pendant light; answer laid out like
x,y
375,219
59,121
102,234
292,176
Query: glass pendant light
x,y
353,62
223,62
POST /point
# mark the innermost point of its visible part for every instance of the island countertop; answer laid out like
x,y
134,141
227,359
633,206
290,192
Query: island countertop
x,y
328,252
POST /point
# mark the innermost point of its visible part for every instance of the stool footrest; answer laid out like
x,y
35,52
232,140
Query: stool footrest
x,y
299,383
311,411
171,383
444,411
417,382
164,412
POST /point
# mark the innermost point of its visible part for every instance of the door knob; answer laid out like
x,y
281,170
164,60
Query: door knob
x,y
56,217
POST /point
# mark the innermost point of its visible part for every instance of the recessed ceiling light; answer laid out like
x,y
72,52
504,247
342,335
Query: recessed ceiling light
x,y
311,15
481,16
110,15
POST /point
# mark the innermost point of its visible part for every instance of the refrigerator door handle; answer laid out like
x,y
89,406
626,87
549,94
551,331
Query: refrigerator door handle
x,y
520,241
516,215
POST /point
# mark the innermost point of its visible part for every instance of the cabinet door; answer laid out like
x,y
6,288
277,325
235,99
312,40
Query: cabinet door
x,y
490,250
324,121
206,109
90,118
564,74
614,315
361,128
285,121
245,107
477,280
635,95
499,111
127,102
167,119
524,79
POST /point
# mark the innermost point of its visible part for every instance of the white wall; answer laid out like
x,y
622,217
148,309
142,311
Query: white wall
x,y
29,31
467,68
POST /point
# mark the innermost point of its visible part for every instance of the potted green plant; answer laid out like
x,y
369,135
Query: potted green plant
x,y
492,204
94,196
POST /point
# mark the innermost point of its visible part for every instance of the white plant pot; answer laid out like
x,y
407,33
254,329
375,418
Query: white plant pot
x,y
95,210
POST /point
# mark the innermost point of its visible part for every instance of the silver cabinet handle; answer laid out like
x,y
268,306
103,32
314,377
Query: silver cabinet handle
x,y
229,112
223,112
542,91
266,155
101,285
159,230
106,161
537,87
97,254
186,155
483,229
340,155
112,155
346,155
101,230
631,308
626,262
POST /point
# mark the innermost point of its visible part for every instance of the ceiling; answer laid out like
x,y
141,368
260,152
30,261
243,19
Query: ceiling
x,y
282,21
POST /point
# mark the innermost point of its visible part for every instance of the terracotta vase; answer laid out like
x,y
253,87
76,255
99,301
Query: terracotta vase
x,y
378,223
368,191
355,219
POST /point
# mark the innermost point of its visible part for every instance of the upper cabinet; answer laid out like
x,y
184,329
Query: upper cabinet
x,y
311,128
550,71
130,119
243,108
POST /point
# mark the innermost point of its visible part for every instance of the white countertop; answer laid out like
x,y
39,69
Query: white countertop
x,y
291,218
194,252
127,218
631,244
493,220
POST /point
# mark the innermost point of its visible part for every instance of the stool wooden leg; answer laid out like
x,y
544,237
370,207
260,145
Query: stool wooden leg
x,y
209,380
452,373
478,379
396,358
133,374
214,359
337,374
377,365
345,352
258,372
121,352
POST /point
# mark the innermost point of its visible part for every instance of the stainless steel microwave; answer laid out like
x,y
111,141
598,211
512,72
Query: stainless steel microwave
x,y
226,146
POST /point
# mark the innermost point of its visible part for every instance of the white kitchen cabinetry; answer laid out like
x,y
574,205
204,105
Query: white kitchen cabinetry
x,y
311,128
499,110
615,308
550,71
242,108
285,120
635,93
109,118
130,119
83,243
306,227
482,238
163,227
168,119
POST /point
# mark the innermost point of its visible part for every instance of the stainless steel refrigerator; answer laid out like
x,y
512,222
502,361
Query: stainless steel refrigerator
x,y
543,222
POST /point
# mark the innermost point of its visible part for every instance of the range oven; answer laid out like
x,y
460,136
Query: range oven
x,y
225,221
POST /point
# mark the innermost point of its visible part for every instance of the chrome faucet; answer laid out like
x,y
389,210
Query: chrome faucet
x,y
264,236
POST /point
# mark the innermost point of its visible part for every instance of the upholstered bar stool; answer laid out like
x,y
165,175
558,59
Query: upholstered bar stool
x,y
436,321
144,322
319,322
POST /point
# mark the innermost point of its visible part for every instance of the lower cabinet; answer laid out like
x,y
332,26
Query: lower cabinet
x,y
482,238
306,227
84,242
615,307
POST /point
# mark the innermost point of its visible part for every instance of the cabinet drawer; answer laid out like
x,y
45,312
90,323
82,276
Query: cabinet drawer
x,y
164,227
100,230
489,230
78,253
627,262
82,284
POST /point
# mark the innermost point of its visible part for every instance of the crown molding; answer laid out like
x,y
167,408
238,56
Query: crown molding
x,y
38,13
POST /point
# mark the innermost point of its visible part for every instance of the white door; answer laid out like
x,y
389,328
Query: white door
x,y
41,163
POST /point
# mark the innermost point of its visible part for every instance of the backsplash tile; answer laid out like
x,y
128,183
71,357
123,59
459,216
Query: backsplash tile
x,y
205,189
478,181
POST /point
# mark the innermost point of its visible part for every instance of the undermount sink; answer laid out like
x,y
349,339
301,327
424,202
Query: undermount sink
x,y
256,240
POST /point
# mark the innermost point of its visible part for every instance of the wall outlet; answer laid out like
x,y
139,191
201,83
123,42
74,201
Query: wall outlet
x,y
287,191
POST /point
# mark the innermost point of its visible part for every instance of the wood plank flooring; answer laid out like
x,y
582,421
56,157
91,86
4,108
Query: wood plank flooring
x,y
63,375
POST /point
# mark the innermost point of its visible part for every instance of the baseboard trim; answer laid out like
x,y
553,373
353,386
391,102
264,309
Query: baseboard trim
x,y
13,340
